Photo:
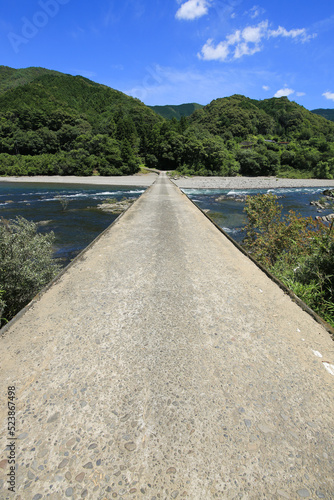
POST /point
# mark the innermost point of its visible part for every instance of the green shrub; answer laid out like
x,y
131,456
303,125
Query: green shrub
x,y
297,250
26,264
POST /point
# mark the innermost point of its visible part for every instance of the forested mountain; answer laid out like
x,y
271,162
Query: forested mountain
x,y
239,116
237,135
52,123
176,111
11,78
326,113
66,125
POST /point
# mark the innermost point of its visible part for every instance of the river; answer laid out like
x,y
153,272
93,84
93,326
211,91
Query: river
x,y
71,210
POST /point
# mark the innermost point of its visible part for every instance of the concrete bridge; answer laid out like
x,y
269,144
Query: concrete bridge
x,y
164,364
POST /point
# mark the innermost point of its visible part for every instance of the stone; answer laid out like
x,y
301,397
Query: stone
x,y
171,470
130,446
42,453
70,443
88,465
115,206
303,493
31,476
63,463
53,418
283,494
23,435
80,477
265,428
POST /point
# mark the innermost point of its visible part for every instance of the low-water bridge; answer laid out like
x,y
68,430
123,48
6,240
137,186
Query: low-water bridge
x,y
162,364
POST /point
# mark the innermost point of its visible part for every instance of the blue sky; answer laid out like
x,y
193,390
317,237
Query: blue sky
x,y
177,51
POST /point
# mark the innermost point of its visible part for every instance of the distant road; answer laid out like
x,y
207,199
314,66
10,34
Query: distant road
x,y
164,364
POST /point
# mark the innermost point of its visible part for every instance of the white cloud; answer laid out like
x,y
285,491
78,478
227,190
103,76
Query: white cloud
x,y
242,49
193,9
300,94
265,87
255,11
284,92
211,53
329,95
254,34
248,41
298,33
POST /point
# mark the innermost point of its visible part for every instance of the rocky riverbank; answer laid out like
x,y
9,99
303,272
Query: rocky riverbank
x,y
325,203
195,182
114,206
247,182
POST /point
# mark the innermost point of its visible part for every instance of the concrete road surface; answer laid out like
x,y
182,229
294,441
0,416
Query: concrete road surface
x,y
164,364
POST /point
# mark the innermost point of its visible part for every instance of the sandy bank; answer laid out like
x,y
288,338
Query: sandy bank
x,y
189,183
248,183
126,180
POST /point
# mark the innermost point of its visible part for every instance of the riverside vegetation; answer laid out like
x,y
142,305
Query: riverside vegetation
x,y
57,124
297,250
26,264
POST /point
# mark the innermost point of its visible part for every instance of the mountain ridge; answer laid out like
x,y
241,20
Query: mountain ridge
x,y
170,111
52,123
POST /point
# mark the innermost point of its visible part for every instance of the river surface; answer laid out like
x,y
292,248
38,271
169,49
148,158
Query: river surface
x,y
81,221
74,225
229,214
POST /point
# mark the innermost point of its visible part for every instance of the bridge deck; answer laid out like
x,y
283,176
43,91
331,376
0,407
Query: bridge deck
x,y
165,364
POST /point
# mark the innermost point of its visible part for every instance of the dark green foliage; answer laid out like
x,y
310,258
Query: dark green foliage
x,y
56,124
11,78
298,250
270,137
51,123
326,113
317,271
176,111
26,264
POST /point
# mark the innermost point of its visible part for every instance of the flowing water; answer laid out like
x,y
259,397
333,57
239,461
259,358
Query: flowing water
x,y
70,211
78,223
228,213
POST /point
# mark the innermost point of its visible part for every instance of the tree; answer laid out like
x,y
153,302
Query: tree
x,y
26,263
324,169
271,237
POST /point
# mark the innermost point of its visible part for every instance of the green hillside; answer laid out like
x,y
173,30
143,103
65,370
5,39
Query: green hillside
x,y
57,124
239,116
176,111
326,113
65,125
11,78
237,135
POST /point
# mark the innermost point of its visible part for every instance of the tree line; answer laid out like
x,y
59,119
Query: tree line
x,y
63,125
